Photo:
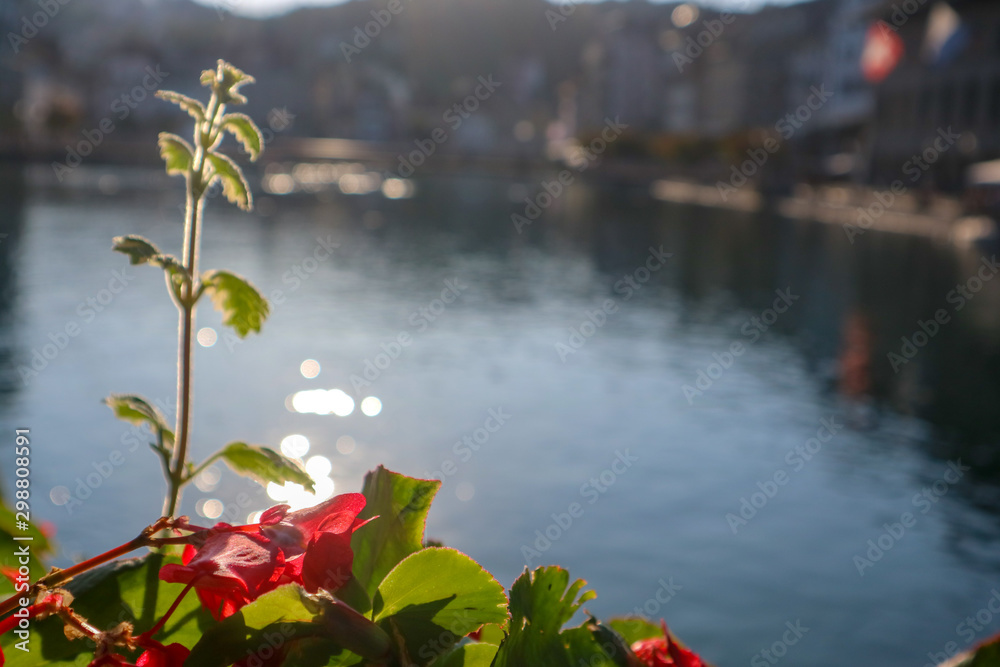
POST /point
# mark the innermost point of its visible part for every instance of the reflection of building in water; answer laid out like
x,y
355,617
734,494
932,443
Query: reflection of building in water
x,y
855,358
854,369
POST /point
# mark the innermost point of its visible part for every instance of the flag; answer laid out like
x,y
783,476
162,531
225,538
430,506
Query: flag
x,y
947,35
883,51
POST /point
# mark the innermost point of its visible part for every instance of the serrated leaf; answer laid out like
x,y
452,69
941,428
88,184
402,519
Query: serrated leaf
x,y
123,591
546,599
142,251
246,132
177,153
242,306
234,185
401,503
435,597
225,80
137,410
138,249
541,602
194,107
265,465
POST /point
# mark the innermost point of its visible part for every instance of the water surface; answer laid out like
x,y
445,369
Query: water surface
x,y
684,461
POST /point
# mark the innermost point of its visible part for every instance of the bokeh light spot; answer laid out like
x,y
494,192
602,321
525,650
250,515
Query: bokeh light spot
x,y
371,406
295,446
60,495
207,337
346,444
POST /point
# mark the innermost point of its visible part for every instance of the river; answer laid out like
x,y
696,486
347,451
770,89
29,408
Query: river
x,y
711,416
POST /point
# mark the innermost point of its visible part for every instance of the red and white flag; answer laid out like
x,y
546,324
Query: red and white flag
x,y
883,51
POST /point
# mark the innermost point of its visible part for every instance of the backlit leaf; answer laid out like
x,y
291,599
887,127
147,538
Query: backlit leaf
x,y
401,503
225,80
195,108
265,465
177,153
246,132
242,306
234,185
137,410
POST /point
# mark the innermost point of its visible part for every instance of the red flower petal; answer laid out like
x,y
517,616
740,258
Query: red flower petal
x,y
327,562
173,655
273,515
333,516
665,652
653,652
230,570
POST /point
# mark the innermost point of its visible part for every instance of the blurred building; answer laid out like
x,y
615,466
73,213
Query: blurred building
x,y
948,81
11,81
845,120
697,87
623,68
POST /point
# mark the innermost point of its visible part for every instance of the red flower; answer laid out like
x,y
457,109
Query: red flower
x,y
231,569
237,564
159,655
664,651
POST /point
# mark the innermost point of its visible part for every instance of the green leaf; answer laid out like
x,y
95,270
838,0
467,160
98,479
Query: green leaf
x,y
435,597
234,185
318,652
593,644
242,306
635,628
142,251
123,591
195,108
469,655
177,153
9,547
137,410
267,623
401,503
138,249
265,465
246,132
492,634
353,631
224,82
545,599
353,594
541,602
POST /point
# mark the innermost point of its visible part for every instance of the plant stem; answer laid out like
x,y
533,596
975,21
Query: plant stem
x,y
204,464
60,577
170,612
193,212
194,208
